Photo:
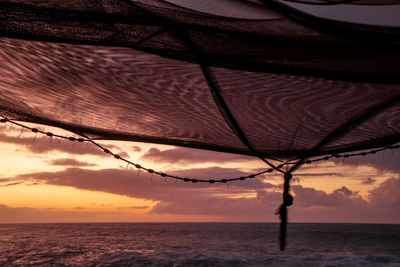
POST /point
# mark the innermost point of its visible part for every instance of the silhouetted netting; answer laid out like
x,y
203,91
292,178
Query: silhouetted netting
x,y
248,77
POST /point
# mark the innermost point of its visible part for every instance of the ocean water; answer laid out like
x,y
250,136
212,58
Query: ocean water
x,y
198,244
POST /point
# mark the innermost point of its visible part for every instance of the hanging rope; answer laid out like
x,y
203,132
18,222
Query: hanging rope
x,y
282,210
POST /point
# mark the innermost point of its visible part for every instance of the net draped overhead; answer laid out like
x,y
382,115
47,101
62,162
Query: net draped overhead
x,y
249,77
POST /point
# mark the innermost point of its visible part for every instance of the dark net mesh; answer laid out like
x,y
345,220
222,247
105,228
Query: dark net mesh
x,y
234,76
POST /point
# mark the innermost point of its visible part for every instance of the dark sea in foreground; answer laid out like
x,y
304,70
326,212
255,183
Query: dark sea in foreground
x,y
198,244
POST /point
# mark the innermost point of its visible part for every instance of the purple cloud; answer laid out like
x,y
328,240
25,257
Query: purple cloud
x,y
386,194
383,161
169,193
24,215
344,205
127,182
70,162
206,199
319,174
10,184
43,144
308,197
368,181
136,148
134,207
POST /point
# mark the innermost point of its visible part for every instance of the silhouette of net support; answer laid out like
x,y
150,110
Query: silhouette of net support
x,y
248,77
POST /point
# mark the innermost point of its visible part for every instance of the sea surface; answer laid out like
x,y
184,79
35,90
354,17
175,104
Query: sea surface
x,y
198,244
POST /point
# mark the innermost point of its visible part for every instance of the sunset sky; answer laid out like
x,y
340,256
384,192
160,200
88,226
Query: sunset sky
x,y
89,76
45,180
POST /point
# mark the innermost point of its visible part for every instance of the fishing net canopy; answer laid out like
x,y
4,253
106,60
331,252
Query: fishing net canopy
x,y
261,78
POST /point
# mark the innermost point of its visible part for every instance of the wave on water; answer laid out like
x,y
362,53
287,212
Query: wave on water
x,y
194,244
147,258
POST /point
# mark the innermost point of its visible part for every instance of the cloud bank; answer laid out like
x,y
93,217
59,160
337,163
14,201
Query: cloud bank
x,y
251,200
